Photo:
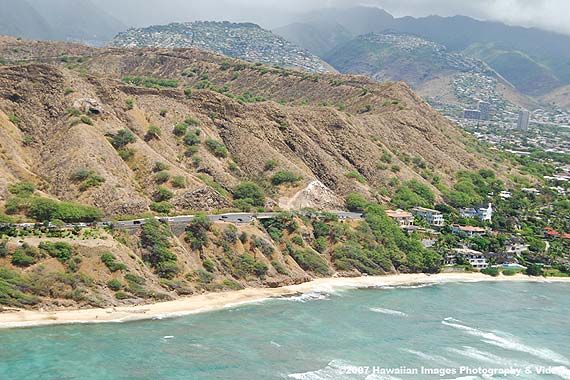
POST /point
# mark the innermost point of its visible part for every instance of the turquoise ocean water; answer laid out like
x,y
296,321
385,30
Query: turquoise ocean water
x,y
351,334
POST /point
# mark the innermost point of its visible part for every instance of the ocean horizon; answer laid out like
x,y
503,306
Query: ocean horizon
x,y
468,331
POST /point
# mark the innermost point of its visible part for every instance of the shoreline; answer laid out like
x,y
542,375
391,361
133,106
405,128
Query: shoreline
x,y
216,301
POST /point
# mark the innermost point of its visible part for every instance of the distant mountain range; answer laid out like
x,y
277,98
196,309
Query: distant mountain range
x,y
536,62
238,40
61,20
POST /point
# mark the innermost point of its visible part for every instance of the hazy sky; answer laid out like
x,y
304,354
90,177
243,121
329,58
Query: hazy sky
x,y
546,14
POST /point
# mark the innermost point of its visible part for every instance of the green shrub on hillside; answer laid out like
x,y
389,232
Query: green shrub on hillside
x,y
25,256
43,209
270,165
114,285
357,176
88,179
191,138
86,120
111,262
413,193
122,138
161,177
151,82
180,129
161,207
179,182
356,203
285,177
250,193
311,261
217,148
163,194
22,189
153,132
14,289
197,231
59,250
155,239
160,166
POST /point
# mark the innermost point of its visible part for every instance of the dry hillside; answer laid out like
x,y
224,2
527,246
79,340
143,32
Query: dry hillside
x,y
322,127
129,130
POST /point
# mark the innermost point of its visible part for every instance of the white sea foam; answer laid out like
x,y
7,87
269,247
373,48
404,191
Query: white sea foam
x,y
410,286
275,344
486,357
561,371
433,358
307,297
388,311
381,377
510,343
340,370
335,370
451,319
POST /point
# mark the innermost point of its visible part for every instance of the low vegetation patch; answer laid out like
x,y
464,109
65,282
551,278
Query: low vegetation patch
x,y
285,177
111,262
151,82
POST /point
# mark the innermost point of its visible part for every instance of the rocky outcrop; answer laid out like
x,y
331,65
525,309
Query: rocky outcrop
x,y
202,199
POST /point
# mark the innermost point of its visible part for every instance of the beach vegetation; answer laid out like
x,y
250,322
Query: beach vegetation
x,y
155,240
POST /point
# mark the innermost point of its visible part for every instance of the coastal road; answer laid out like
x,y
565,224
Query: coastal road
x,y
236,218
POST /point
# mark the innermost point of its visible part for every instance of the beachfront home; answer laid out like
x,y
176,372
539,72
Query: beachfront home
x,y
475,258
433,217
403,218
450,259
468,231
482,212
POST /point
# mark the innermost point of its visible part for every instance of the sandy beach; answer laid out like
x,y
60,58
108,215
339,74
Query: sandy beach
x,y
215,301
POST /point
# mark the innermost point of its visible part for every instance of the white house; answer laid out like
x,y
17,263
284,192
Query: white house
x,y
482,212
433,217
475,258
515,248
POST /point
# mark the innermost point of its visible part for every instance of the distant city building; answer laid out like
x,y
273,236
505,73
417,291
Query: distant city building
x,y
484,109
524,120
472,114
482,212
433,217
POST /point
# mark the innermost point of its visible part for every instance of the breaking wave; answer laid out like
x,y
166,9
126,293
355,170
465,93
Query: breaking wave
x,y
388,311
509,343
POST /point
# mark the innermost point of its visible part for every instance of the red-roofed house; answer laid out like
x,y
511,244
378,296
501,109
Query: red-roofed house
x,y
403,218
468,230
551,233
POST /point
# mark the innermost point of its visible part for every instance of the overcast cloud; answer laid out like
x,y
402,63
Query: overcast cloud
x,y
546,14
